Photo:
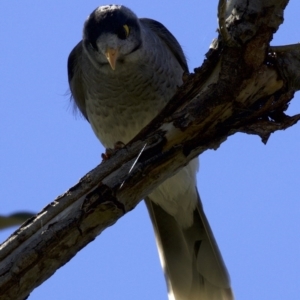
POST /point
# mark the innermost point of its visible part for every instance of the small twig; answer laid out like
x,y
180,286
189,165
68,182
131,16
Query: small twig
x,y
229,41
285,48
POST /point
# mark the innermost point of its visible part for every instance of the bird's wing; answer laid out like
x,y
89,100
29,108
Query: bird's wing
x,y
193,266
75,78
167,37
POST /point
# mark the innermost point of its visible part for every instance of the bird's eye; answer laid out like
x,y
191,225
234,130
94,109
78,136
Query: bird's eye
x,y
126,28
123,32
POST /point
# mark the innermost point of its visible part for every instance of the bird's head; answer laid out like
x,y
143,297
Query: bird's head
x,y
110,34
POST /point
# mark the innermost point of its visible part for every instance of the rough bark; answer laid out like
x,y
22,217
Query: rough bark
x,y
244,85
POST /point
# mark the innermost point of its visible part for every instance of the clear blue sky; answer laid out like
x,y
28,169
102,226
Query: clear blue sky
x,y
250,191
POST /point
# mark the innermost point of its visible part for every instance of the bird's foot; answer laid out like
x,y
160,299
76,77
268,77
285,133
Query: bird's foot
x,y
109,152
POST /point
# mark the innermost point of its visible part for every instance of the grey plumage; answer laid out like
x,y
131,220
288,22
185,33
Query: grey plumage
x,y
121,75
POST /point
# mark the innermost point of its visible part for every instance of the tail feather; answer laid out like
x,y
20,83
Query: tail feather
x,y
192,263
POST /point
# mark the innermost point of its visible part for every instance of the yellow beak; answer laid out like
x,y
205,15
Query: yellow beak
x,y
112,56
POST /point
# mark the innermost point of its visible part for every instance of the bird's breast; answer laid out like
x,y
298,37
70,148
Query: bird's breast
x,y
120,103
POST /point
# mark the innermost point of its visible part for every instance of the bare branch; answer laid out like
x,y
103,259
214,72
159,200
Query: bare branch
x,y
287,59
286,48
237,89
16,218
222,9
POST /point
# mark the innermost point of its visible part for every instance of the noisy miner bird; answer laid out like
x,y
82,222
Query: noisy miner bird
x,y
121,75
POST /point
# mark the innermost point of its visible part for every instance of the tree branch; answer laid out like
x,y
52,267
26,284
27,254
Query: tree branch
x,y
241,87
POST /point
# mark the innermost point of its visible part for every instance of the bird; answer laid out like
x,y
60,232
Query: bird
x,y
121,75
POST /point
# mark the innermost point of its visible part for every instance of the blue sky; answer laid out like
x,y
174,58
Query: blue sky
x,y
250,191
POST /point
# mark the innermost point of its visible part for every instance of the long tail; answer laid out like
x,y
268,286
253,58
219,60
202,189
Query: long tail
x,y
192,263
